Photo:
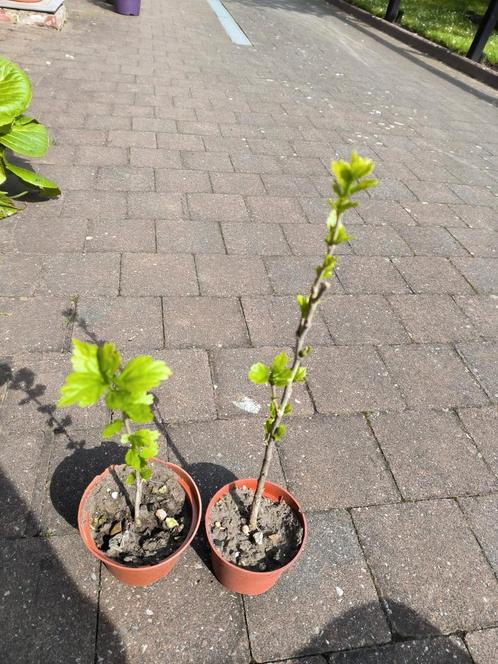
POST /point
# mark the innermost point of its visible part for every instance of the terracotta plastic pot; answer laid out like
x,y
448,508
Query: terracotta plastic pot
x,y
143,576
240,580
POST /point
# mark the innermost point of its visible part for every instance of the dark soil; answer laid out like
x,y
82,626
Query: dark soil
x,y
273,545
113,529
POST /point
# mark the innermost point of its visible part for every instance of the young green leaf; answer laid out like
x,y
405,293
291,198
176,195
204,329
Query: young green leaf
x,y
171,522
142,373
131,478
109,360
279,432
259,374
145,473
304,304
300,375
112,428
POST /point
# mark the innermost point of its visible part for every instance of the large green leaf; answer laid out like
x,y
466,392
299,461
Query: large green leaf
x,y
15,91
27,137
7,207
142,373
46,187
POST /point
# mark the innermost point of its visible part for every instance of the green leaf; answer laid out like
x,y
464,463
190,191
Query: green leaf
x,y
145,441
279,432
109,360
364,184
304,304
131,478
305,351
83,389
279,362
340,235
132,458
139,413
259,373
27,137
145,474
7,206
171,522
300,375
136,406
15,91
114,427
280,373
142,373
46,187
288,409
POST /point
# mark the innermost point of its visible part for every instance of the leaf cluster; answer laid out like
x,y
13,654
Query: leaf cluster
x,y
98,372
19,133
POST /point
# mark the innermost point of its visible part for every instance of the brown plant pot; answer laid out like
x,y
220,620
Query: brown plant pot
x,y
240,580
143,576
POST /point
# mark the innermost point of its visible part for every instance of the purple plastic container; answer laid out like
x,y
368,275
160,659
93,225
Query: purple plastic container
x,y
127,7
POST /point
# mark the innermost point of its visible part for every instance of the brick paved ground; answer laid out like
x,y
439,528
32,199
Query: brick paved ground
x,y
194,174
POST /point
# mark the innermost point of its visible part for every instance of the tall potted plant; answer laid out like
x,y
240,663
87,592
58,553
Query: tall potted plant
x,y
255,528
138,517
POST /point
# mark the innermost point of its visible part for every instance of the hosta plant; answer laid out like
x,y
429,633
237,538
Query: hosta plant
x,y
98,373
20,134
281,375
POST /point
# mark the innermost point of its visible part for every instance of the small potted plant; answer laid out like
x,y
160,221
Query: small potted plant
x,y
255,528
138,517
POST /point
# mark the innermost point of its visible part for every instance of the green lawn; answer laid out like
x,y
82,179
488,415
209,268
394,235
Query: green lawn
x,y
442,21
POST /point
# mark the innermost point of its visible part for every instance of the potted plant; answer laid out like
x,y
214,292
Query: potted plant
x,y
255,528
21,134
138,517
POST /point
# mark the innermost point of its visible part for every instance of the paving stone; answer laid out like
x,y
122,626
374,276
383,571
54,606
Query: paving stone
x,y
43,236
294,274
333,586
439,650
154,205
482,273
71,178
155,158
49,601
125,178
305,660
435,214
158,274
438,573
186,237
182,181
129,138
188,395
203,322
482,424
80,274
482,311
19,275
273,320
94,204
361,382
370,274
375,241
435,274
431,456
482,512
130,322
432,318
225,276
309,240
473,195
20,481
482,359
121,235
236,395
483,645
217,207
165,620
245,184
140,123
432,241
218,452
362,319
275,209
290,185
385,212
432,377
477,217
32,324
246,162
207,161
179,142
255,239
478,242
360,476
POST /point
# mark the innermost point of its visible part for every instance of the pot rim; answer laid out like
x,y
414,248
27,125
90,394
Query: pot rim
x,y
286,494
194,526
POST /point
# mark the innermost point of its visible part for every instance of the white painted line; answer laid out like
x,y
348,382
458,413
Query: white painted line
x,y
229,24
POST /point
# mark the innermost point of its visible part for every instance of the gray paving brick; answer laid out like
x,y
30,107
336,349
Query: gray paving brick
x,y
308,240
217,207
121,235
370,274
125,178
254,239
155,158
432,318
43,236
182,181
482,310
482,512
427,274
93,204
422,469
483,645
225,276
19,275
432,377
482,359
361,382
435,214
33,324
477,216
432,241
478,242
154,205
378,241
481,424
245,184
385,212
158,125
128,138
332,569
236,395
185,237
158,274
203,322
83,274
362,319
440,573
293,275
246,162
473,195
275,209
290,185
207,161
438,650
482,273
359,471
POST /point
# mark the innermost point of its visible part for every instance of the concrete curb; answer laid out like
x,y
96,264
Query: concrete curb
x,y
458,62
